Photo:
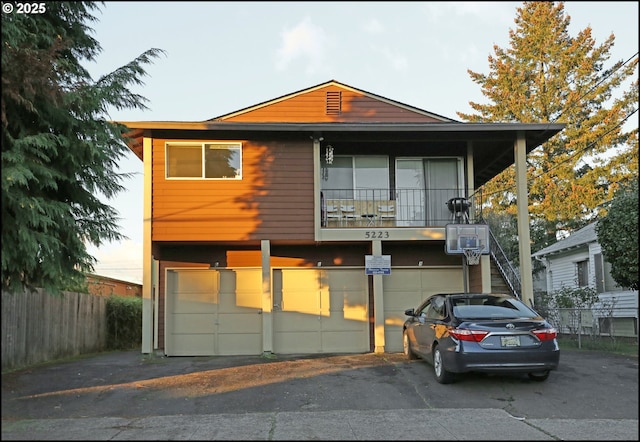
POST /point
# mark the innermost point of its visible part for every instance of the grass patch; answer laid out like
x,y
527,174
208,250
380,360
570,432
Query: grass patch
x,y
621,346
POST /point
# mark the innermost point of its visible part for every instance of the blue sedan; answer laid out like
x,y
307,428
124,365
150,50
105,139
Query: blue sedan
x,y
480,332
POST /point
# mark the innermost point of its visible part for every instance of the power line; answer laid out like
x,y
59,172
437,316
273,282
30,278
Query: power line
x,y
593,143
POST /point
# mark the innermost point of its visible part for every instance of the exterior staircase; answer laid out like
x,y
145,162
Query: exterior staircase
x,y
504,278
498,282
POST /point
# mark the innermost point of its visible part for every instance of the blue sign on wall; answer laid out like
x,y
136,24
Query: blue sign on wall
x,y
373,271
377,264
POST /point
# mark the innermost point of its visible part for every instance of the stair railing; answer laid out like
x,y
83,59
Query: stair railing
x,y
510,275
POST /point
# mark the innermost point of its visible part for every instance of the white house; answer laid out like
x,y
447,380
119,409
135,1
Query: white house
x,y
577,261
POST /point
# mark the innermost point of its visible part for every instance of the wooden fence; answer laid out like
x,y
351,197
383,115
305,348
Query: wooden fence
x,y
38,327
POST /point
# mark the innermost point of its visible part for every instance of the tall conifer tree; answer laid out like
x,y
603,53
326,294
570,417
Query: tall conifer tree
x,y
546,75
59,151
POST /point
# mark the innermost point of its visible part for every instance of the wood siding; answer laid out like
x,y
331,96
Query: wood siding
x,y
313,107
274,198
563,269
475,278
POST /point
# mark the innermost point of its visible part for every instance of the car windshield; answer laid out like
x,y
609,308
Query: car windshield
x,y
491,308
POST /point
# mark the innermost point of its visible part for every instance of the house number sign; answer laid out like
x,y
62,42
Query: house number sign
x,y
376,234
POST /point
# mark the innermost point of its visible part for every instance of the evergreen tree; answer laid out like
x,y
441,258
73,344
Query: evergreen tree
x,y
618,236
549,76
59,152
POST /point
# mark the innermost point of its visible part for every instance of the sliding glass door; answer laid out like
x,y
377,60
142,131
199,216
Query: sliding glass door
x,y
423,187
356,178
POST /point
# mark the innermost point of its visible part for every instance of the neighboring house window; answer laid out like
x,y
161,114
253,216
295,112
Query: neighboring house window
x,y
583,273
604,281
204,160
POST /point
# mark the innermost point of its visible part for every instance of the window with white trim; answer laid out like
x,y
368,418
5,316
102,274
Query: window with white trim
x,y
582,269
212,160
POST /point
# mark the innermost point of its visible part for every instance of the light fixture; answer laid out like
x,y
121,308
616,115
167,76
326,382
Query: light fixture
x,y
328,155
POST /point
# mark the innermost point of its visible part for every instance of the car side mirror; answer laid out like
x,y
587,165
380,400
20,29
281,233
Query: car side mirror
x,y
409,312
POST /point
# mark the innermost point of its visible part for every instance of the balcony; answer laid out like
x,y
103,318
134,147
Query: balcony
x,y
397,208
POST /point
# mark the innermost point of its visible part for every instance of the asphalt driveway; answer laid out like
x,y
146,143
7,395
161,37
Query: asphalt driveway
x,y
599,387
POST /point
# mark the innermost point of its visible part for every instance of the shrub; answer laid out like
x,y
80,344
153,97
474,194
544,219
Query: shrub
x,y
575,297
124,322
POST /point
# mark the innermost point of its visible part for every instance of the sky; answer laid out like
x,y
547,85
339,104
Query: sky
x,y
221,57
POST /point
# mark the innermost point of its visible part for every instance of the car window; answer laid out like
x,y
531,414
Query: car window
x,y
493,308
435,308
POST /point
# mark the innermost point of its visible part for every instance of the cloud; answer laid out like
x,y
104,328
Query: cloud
x,y
373,26
394,59
501,13
305,41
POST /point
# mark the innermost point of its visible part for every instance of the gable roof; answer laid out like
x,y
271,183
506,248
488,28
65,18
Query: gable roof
x,y
335,86
576,240
366,119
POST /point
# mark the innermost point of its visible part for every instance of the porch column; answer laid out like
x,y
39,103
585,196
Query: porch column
x,y
485,260
524,237
378,304
147,256
267,313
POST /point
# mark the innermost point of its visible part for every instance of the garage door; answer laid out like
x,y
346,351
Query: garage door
x,y
320,311
213,312
406,288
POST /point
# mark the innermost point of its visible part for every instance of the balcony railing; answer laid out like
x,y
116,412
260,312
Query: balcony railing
x,y
347,208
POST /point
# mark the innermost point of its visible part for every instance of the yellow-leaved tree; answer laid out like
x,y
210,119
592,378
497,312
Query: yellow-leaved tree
x,y
547,75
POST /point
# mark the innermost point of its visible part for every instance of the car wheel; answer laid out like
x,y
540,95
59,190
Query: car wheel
x,y
406,347
442,375
539,376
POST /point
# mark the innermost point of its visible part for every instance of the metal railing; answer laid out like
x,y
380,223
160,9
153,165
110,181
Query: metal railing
x,y
509,274
344,208
383,207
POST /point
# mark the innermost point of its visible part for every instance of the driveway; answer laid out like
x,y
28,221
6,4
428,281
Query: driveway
x,y
587,386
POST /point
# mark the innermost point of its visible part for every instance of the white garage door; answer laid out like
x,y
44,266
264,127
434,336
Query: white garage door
x,y
406,288
320,311
213,312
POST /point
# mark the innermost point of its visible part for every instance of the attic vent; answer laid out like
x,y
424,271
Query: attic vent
x,y
334,103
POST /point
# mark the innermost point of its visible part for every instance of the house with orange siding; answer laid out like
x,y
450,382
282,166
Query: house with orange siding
x,y
310,222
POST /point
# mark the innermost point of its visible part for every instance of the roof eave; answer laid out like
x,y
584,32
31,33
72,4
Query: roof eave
x,y
341,127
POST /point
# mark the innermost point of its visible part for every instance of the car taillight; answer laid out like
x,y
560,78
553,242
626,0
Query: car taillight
x,y
468,335
546,334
